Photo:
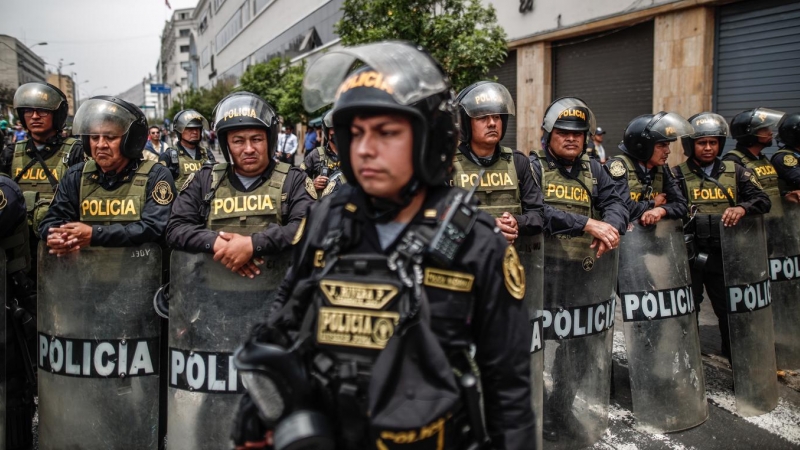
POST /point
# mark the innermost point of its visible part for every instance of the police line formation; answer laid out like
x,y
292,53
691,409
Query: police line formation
x,y
444,292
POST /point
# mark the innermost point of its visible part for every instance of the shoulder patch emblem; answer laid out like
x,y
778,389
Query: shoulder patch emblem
x,y
3,199
188,180
789,161
328,189
754,180
616,168
299,234
514,273
162,194
310,188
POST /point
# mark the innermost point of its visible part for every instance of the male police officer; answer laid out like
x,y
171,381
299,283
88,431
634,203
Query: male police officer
x,y
723,192
323,162
189,156
506,190
753,131
654,191
785,159
424,305
249,207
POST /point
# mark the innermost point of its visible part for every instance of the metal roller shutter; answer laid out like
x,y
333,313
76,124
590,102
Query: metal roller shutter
x,y
757,57
507,76
612,72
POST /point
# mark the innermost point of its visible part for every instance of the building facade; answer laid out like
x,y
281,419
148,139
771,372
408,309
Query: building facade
x,y
20,64
140,95
67,85
177,67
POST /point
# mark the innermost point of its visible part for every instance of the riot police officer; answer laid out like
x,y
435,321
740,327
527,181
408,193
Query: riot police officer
x,y
214,212
753,130
506,190
188,156
114,199
375,240
722,192
322,164
785,159
654,191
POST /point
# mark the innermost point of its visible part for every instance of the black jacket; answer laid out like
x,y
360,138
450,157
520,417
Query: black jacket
x,y
790,173
676,206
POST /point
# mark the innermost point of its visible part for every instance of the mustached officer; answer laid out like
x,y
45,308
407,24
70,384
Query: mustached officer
x,y
187,156
387,292
654,191
322,164
785,159
507,190
723,192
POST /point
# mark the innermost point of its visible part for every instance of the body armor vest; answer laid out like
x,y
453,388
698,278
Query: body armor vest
x,y
565,193
326,161
640,191
245,212
17,249
498,189
764,172
188,165
121,205
783,185
707,195
35,178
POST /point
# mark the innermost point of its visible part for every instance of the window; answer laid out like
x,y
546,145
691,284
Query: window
x,y
258,5
186,66
245,12
182,16
184,49
184,33
229,30
203,24
205,57
217,4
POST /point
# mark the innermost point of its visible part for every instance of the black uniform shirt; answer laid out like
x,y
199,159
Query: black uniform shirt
x,y
787,167
12,206
750,196
52,146
605,198
311,163
676,205
187,229
66,204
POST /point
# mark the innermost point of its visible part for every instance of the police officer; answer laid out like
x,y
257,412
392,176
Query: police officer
x,y
506,190
323,162
114,199
723,192
215,212
785,159
753,131
397,137
189,155
654,191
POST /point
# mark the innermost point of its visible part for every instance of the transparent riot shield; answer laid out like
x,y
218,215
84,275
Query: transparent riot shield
x,y
578,326
658,311
98,348
783,245
211,312
747,297
531,255
2,349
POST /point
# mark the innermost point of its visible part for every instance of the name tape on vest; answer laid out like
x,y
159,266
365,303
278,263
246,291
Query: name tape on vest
x,y
189,167
98,358
576,193
355,327
784,268
748,297
35,174
765,170
656,305
248,203
358,295
711,194
490,179
581,321
108,207
208,372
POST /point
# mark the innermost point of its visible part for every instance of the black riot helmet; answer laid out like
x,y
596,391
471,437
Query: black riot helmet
x,y
745,124
789,131
245,110
398,77
42,96
480,99
644,132
111,116
705,124
327,124
189,118
568,113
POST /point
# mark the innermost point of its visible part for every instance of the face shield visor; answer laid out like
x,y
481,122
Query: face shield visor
x,y
103,118
668,127
569,113
486,100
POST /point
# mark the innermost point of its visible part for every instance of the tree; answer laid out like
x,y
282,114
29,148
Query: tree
x,y
280,83
202,100
462,35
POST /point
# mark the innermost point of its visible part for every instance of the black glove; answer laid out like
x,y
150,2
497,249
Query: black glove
x,y
249,431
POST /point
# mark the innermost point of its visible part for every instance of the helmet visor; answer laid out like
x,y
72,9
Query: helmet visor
x,y
569,107
766,118
102,117
406,73
709,124
666,127
37,95
242,109
488,99
191,119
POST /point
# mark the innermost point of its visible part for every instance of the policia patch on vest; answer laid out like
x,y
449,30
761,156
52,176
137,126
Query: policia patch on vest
x,y
616,169
789,161
162,194
310,188
188,180
356,327
514,273
299,234
3,199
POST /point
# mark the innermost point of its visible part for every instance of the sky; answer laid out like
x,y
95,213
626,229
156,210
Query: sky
x,y
112,43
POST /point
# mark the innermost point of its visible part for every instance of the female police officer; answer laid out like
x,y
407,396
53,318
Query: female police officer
x,y
374,325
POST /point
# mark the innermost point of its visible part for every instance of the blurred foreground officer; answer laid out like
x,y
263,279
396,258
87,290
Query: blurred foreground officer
x,y
388,292
322,163
250,206
654,190
785,160
189,156
506,189
721,192
114,199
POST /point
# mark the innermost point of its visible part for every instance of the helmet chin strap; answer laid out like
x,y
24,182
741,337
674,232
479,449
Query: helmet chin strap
x,y
383,210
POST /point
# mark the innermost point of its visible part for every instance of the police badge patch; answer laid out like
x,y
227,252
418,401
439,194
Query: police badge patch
x,y
162,194
188,180
789,161
514,273
310,188
616,168
754,180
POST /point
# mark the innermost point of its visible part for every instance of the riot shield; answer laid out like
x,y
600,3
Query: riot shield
x,y
2,348
212,311
531,255
783,245
658,312
578,327
747,297
98,348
